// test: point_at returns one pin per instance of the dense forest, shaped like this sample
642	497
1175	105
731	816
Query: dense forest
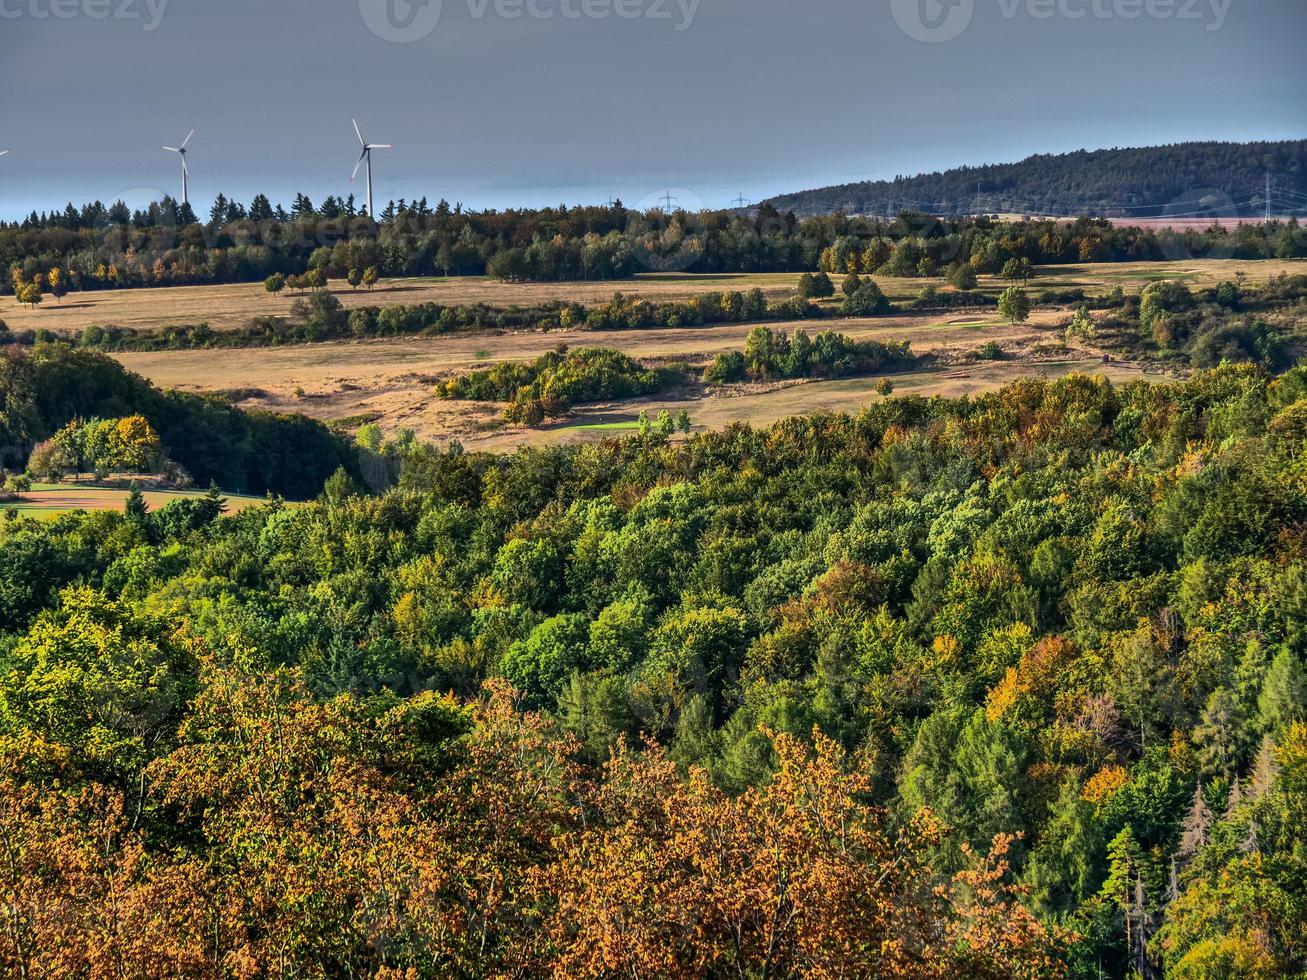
1225	180
1007	686
99	247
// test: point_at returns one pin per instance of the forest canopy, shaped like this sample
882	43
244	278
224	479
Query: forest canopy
1005	686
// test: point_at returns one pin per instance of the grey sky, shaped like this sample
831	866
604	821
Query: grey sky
758	96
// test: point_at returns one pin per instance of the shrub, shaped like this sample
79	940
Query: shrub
867	301
725	369
815	286
1014	304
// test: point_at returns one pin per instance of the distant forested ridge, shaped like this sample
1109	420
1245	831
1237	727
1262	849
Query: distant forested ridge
1179	180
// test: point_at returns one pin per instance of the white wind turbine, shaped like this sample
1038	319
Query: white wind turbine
186	173
367	155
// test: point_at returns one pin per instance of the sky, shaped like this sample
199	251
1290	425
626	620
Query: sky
503	103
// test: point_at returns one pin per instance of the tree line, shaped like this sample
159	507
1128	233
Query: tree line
98	247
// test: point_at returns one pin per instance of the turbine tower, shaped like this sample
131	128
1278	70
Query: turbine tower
181	152
367	155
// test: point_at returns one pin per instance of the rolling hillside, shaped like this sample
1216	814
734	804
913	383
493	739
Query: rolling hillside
1188	179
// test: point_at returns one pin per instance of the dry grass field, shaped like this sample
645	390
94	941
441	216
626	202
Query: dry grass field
229	307
391	382
1132	276
48	500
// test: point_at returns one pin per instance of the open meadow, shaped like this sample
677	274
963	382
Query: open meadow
391	381
228	307
47	500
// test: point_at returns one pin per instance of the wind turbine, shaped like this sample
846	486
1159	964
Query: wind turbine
181	152
367	155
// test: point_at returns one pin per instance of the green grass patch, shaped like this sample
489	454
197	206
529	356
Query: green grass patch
1142	275
605	426
47	500
355	421
965	323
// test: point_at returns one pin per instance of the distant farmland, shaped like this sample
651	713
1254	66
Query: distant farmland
229	306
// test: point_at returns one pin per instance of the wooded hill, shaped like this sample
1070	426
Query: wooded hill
1180	180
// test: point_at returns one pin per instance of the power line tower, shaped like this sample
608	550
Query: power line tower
1268	197
741	202
668	201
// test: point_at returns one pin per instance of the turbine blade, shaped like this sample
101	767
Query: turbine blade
3	152
362	156
381	146
173	149
185	169
362	141
186	140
